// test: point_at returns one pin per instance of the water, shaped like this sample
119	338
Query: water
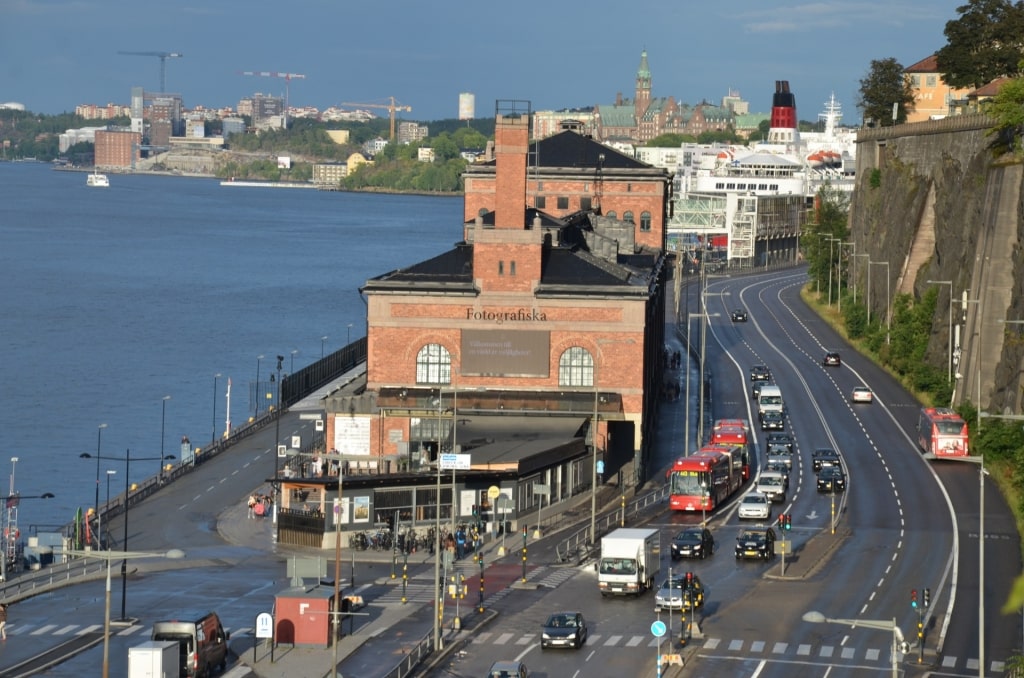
111	299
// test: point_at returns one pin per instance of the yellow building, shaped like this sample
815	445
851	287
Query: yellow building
933	98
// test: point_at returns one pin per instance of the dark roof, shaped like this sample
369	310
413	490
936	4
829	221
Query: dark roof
569	150
928	64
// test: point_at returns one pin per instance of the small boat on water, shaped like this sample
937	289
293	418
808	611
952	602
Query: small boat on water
97	179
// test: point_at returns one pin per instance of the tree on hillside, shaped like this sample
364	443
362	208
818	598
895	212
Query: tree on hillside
670	140
985	43
1007	107
885	85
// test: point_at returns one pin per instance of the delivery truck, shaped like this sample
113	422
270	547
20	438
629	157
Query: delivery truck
630	561
154	659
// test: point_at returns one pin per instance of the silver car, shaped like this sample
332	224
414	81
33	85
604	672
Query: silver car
755	506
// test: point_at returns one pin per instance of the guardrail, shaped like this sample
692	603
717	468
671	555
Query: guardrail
75	570
581	541
410	661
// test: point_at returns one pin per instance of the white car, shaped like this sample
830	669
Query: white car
755	506
862	394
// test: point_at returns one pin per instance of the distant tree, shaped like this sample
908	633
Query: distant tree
1007	107
985	43
670	140
725	136
884	85
467	137
444	147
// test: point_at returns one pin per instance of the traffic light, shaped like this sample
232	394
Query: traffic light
789	521
782	521
913	598
689	579
927	599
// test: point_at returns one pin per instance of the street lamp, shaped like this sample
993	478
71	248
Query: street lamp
949	350
888	301
257	391
109	556
213	428
898	643
831	241
99	514
277	431
163	421
127	463
323	341
438	591
99	436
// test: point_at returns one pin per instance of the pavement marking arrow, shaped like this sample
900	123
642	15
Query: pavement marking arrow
812	515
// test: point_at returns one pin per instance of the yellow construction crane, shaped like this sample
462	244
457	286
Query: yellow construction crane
392	107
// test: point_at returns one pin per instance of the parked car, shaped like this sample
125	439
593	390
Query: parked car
831	479
862	394
693	542
753	543
831	359
754	506
564	629
739	316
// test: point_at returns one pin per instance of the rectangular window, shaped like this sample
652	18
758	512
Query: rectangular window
585	203
929	81
915	80
539	202
512	267
501	268
563	203
540	186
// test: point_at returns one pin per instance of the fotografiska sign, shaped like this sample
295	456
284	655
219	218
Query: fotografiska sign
515	315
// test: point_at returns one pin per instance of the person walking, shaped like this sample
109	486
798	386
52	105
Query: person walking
252	505
3	621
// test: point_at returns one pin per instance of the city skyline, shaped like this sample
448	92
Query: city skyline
59	54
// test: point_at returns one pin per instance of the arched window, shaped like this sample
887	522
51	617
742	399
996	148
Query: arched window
611	214
482	211
627	216
433	365
645	221
576	367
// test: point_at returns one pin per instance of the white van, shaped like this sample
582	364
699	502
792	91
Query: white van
770	400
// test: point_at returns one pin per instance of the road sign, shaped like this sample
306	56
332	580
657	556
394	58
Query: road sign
455	462
493	491
504	504
658	628
600	467
282	451
541	489
310	415
264	625
297	442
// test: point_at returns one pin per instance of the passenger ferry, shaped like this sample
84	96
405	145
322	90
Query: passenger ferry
97	179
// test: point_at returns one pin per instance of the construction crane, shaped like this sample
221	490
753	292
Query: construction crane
163	56
288	77
392	107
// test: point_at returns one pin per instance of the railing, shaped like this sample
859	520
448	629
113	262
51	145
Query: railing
580	542
410	661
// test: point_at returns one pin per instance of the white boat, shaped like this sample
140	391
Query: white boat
97	179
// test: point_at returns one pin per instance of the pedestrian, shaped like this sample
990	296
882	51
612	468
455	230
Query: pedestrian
460	543
252	505
3	621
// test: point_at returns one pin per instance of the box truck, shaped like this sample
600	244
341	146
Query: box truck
154	659
630	561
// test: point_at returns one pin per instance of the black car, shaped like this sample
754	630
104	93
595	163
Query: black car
822	457
755	390
760	373
693	542
739	316
772	421
831	359
831	479
782	442
756	543
564	629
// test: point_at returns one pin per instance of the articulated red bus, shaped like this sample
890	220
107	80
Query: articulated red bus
737	436
942	433
704	480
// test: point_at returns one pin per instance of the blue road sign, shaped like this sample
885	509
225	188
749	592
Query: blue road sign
658	629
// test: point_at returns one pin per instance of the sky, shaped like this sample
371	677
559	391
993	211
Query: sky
57	54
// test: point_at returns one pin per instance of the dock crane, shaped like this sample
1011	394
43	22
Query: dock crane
163	56
392	107
288	77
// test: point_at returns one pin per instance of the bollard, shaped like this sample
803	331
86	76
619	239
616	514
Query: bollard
480	607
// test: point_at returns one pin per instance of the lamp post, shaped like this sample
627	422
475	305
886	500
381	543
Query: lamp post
163	421
109	556
277	432
831	241
949	331
213	428
877	624
438	592
127	463
11	501
839	273
323	342
888	300
257	392
291	370
99	437
99	514
593	482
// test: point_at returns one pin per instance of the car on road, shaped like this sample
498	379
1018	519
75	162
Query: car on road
754	506
772	421
780	442
760	373
564	629
831	359
680	592
772	486
862	394
693	542
824	456
739	316
778	467
831	479
755	389
757	543
508	669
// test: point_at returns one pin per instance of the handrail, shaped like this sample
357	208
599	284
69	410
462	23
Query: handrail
581	539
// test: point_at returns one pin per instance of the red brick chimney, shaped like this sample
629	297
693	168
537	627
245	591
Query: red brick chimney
511	147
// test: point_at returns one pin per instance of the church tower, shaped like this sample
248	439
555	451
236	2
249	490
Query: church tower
643	88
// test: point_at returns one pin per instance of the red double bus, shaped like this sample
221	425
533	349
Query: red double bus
702	481
734	434
942	433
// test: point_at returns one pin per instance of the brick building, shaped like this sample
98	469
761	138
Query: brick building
117	148
537	319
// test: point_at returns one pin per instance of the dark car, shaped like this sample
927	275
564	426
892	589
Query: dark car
772	421
693	542
778	467
824	456
739	316
760	373
564	629
755	390
831	479
831	359
782	442
756	543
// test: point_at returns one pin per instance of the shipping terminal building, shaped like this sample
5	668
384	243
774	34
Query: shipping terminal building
535	339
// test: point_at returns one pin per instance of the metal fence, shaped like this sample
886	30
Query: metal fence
579	544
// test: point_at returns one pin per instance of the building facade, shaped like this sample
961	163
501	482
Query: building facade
117	149
933	98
